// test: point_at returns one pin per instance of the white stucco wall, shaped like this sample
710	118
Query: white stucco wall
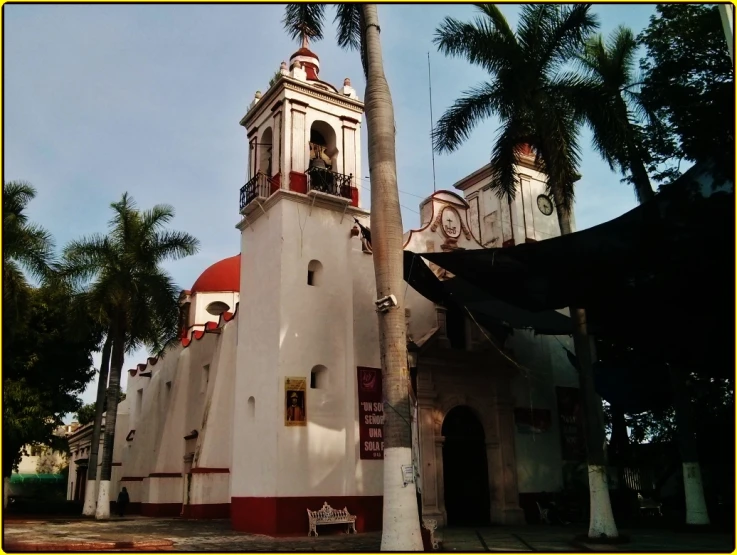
299	327
199	316
490	215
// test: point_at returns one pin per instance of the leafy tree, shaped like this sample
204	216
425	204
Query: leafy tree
86	414
358	29
120	275
609	99
688	82
27	248
46	367
531	95
49	462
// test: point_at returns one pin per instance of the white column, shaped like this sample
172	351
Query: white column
286	143
276	151
299	137
726	11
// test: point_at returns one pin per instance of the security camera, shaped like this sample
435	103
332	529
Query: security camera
386	303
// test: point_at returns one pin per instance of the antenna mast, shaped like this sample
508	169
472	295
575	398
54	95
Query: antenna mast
432	150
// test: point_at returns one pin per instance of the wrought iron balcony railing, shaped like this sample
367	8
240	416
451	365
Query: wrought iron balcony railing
330	182
259	186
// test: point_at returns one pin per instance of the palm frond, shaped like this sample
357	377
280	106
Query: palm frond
349	18
84	258
172	245
304	19
456	123
480	42
565	32
505	157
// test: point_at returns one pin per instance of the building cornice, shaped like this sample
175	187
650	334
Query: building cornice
254	211
525	161
290	84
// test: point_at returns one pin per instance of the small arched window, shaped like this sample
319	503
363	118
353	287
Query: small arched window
251	407
319	377
314	273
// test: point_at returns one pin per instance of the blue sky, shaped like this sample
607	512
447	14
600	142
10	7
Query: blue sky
103	99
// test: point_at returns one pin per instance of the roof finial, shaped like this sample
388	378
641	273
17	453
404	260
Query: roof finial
305	38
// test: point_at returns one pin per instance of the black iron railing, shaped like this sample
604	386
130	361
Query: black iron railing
332	183
259	186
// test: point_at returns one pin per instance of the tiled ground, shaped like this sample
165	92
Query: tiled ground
216	535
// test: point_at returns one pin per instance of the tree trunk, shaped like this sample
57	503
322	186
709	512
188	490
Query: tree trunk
696	513
401	523
111	415
90	493
643	188
601	521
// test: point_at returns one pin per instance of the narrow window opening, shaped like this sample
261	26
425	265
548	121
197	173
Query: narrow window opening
205	377
314	273
319	377
251	407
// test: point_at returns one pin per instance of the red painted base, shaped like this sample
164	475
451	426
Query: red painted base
298	183
161	509
208	511
288	515
131	509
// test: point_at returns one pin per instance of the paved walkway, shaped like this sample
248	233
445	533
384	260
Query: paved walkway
561	539
139	533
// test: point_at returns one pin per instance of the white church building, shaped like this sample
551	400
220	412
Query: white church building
267	405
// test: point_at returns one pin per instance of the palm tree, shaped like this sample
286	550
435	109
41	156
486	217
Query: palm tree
121	277
607	97
358	28
145	332
609	101
26	247
529	93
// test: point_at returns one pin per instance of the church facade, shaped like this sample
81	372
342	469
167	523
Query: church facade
271	402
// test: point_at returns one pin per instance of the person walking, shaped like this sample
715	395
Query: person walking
123	500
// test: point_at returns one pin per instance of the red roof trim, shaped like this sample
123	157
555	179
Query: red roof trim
210	326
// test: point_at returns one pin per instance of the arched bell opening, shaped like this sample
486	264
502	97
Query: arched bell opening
265	157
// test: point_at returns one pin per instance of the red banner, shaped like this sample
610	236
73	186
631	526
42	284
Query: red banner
370	413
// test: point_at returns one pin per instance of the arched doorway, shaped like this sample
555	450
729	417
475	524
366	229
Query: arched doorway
465	474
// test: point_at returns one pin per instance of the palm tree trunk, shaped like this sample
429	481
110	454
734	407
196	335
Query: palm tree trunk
401	523
90	495
643	188
103	498
601	520
696	512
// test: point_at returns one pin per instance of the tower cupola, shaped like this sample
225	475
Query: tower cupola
307	59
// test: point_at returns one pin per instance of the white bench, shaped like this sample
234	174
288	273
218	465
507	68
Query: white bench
328	515
649	505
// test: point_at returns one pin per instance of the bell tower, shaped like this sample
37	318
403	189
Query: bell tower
303	134
295	388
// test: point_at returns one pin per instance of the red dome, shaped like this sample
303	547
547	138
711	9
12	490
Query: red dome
304	52
221	276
